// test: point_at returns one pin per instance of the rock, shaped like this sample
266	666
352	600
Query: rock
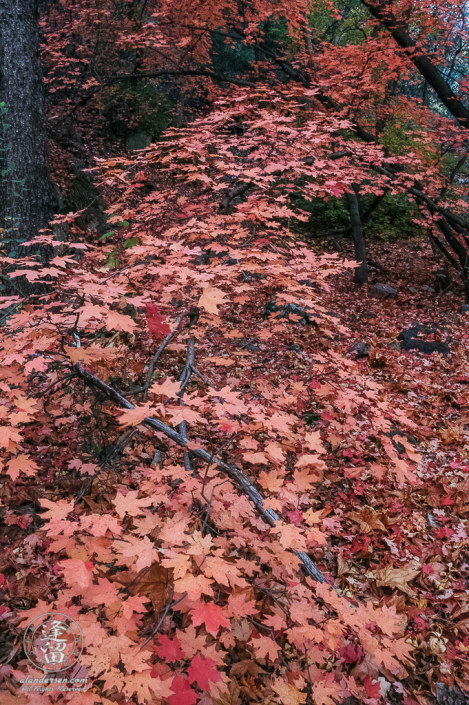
138	140
248	277
360	349
251	345
410	341
209	257
447	695
284	311
395	433
384	291
414	330
465	309
424	346
308	282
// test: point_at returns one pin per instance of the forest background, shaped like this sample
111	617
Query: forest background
233	364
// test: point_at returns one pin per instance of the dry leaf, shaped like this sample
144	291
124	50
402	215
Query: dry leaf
369	520
396	578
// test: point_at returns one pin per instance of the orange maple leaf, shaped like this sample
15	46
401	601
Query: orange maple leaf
132	417
21	463
211	298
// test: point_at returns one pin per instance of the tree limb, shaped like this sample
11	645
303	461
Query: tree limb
382	11
233	472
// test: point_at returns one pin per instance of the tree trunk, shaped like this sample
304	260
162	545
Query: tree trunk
361	272
382	10
25	189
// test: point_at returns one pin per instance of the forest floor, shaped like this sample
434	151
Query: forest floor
426	524
395	540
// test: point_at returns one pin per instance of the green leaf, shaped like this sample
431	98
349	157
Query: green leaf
130	242
106	235
123	224
112	260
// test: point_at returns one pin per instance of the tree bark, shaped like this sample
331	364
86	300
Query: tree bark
361	272
25	189
382	11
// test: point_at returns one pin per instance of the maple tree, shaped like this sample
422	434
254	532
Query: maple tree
195	470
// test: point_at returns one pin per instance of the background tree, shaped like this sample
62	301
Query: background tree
25	190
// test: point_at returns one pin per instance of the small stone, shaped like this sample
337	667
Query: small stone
449	695
308	282
251	345
414	330
360	349
442	280
395	433
424	346
465	309
384	291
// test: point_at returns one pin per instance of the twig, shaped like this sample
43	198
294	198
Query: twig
233	472
124	269
57	381
162	618
154	360
120	445
202	377
376	265
184	379
209	507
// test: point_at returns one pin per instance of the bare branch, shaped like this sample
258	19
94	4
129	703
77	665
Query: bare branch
233	472
154	360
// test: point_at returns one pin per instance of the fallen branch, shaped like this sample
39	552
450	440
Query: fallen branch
233	472
162	618
154	360
235	192
376	265
184	379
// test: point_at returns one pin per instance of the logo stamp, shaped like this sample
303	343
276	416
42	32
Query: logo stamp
53	642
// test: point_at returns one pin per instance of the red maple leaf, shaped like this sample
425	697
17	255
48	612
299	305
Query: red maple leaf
169	649
211	615
352	653
202	671
183	693
156	323
371	689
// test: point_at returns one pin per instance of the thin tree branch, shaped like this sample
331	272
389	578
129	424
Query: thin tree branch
154	360
231	470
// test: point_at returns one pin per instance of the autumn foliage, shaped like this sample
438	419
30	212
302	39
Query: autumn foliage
230	505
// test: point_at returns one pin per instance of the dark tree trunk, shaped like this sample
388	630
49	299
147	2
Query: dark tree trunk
361	272
382	10
25	190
